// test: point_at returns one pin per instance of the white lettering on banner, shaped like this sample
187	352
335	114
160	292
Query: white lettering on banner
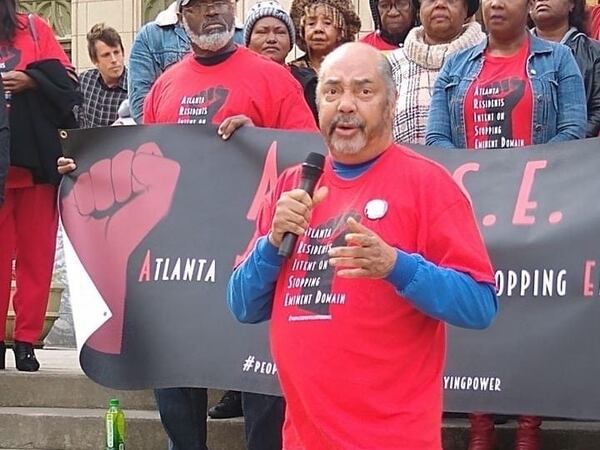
251	364
177	269
466	383
532	283
166	272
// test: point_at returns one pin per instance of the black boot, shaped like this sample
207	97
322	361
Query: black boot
25	357
2	355
229	406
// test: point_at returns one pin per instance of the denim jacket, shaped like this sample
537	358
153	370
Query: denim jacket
154	49
559	102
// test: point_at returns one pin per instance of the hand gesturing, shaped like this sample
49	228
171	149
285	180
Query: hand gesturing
365	256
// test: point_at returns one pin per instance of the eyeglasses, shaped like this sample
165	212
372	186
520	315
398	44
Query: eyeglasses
202	7
400	5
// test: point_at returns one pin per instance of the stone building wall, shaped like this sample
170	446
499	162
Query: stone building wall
126	16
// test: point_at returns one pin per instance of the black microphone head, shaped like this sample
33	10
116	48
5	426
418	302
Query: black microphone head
312	167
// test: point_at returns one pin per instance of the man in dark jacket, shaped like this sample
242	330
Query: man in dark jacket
564	21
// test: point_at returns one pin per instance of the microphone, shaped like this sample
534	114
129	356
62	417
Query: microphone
312	169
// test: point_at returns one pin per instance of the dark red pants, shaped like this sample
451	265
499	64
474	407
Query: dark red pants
28	225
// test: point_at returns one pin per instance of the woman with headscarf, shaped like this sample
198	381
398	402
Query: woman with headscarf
269	30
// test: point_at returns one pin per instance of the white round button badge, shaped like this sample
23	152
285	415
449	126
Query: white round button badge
376	209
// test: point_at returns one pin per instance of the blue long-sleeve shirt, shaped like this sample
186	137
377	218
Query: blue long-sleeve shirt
443	293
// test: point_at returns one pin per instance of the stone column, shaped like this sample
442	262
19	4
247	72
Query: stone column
123	15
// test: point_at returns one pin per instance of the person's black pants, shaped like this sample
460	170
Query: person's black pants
183	416
263	416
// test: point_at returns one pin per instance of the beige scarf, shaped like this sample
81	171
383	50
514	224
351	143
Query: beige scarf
432	57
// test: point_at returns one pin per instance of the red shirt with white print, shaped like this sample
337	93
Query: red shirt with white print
245	83
499	103
360	366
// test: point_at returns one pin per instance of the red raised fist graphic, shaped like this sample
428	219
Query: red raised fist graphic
109	211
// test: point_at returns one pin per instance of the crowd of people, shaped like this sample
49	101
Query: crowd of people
470	74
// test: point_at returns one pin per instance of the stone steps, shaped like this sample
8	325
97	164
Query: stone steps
50	389
59	408
83	429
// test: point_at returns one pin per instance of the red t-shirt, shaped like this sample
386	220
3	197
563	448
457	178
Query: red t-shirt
594	22
359	365
375	40
499	103
245	83
17	55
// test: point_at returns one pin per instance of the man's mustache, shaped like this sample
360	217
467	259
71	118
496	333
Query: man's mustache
345	120
215	22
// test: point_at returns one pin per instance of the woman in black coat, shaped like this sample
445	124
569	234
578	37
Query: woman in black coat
564	21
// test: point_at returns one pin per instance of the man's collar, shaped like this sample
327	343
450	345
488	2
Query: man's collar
168	16
216	58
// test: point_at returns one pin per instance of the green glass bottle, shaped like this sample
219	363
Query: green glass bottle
115	426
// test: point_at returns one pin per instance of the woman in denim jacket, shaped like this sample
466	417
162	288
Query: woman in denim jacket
559	102
512	90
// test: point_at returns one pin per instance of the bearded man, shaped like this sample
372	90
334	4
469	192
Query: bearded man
223	84
397	268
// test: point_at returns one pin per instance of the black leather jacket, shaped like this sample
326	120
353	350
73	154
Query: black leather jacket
587	55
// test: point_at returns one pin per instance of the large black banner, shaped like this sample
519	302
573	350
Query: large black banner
156	217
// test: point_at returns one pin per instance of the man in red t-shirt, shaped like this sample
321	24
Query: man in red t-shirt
393	19
219	83
222	83
220	80
361	304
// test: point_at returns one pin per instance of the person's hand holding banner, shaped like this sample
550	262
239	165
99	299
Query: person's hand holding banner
116	204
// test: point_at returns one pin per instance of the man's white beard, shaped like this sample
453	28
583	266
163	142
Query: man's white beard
348	146
210	42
